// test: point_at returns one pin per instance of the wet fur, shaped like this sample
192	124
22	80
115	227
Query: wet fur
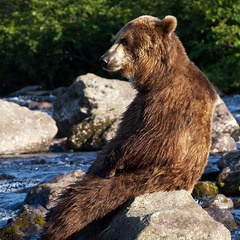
163	141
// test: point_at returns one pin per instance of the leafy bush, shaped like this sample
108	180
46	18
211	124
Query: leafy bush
51	42
224	68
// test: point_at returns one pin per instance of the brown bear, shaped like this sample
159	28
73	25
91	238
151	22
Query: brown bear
163	141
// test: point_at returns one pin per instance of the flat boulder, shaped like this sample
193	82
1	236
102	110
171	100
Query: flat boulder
23	130
164	215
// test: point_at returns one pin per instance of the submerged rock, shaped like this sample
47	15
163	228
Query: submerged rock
23	130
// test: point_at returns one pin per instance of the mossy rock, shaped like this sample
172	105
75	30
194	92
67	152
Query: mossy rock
205	189
39	220
10	233
15	228
87	135
26	224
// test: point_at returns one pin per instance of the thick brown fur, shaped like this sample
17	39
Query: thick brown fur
163	141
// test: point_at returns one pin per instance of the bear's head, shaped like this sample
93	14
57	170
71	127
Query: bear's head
144	47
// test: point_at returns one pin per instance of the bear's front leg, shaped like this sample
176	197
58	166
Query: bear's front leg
107	163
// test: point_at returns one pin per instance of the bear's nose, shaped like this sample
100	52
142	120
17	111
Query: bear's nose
103	62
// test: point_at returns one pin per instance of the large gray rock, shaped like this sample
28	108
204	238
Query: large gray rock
222	142
23	130
223	120
223	127
91	96
167	215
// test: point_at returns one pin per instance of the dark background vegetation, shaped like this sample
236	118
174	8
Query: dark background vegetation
51	42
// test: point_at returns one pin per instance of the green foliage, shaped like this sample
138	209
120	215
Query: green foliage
224	17
51	42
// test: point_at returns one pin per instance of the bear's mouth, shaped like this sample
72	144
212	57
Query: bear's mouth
112	69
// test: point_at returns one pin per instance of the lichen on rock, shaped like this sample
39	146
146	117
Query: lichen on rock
87	135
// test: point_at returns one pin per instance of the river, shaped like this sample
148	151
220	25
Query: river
19	173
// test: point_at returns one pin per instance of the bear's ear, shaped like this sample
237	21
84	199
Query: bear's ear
168	24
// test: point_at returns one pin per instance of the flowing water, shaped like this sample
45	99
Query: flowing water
19	173
233	104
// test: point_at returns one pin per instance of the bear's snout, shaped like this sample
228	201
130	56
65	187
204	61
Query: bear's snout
112	60
109	63
103	62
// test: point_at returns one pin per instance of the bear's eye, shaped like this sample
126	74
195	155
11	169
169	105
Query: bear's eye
124	41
